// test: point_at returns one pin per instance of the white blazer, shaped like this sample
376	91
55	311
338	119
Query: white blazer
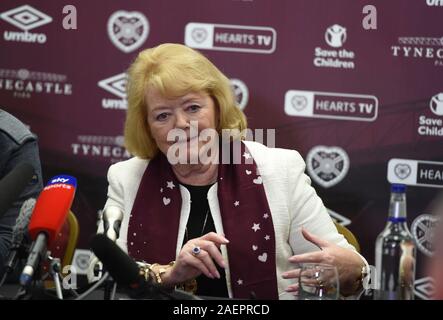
292	200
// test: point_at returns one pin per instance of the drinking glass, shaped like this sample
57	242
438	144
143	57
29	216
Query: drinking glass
318	281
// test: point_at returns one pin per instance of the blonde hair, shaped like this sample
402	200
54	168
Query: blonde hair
174	70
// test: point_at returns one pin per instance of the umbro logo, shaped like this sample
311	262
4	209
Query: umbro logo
117	86
25	18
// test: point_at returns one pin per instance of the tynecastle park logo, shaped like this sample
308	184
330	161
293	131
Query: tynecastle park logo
24	83
25	18
419	48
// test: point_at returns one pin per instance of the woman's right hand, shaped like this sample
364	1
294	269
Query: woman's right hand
190	265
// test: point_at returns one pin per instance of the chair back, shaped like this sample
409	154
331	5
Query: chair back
349	236
63	246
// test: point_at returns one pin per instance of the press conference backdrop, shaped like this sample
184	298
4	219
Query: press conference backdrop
356	89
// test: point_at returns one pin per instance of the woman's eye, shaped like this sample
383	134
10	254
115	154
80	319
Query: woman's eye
194	108
162	116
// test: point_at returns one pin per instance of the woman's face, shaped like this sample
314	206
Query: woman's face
195	109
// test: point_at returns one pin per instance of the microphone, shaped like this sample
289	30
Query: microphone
50	212
120	266
112	219
125	271
13	184
18	233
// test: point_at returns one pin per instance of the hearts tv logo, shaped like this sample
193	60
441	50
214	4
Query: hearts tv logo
128	30
327	166
299	102
199	35
402	170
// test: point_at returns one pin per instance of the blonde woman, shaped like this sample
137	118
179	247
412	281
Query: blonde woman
239	228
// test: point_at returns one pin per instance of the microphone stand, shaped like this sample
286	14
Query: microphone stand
17	253
54	271
109	286
36	289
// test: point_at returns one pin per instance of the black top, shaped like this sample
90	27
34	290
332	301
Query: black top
195	228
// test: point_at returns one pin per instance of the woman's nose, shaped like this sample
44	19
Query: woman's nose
181	120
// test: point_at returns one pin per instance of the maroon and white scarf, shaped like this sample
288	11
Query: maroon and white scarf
246	218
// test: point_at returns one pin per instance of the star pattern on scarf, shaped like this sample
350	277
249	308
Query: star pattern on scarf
170	184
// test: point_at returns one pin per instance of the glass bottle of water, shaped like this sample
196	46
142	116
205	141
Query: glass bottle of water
395	252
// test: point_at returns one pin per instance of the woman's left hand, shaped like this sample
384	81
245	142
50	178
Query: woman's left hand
348	263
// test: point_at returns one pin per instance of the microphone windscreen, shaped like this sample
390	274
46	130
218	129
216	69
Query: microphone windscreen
13	184
120	266
52	207
22	221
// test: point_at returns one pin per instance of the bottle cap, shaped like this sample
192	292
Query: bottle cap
398	188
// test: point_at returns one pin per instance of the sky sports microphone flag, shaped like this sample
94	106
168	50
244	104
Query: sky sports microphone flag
50	212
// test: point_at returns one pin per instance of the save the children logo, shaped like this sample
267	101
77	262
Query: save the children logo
128	30
436	104
335	36
335	56
428	124
25	18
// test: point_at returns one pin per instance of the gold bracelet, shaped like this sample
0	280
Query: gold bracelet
163	270
188	286
156	274
157	277
145	271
